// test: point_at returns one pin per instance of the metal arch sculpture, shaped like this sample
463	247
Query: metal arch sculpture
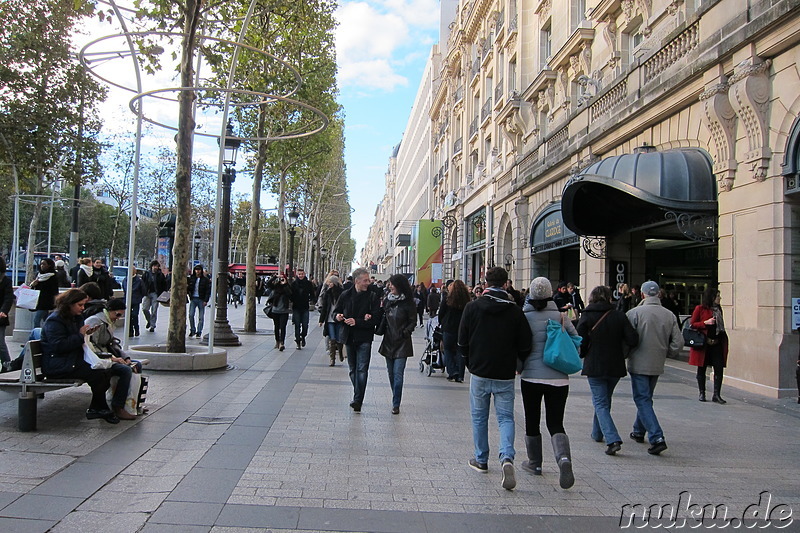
136	105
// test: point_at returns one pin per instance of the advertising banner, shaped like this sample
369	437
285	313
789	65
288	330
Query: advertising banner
429	252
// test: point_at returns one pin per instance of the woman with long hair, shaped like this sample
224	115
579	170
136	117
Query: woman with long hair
280	298
47	285
540	381
331	329
625	301
707	318
605	331
62	353
458	296
397	325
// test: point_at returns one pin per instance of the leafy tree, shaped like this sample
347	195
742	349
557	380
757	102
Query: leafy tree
48	120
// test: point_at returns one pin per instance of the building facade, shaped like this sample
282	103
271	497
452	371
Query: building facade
606	141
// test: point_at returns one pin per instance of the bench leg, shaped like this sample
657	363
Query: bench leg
26	416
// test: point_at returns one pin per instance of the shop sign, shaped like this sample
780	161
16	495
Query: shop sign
550	233
619	274
795	313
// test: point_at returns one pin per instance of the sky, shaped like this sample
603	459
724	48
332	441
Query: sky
382	47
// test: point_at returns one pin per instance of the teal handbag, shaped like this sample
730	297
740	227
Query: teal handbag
561	349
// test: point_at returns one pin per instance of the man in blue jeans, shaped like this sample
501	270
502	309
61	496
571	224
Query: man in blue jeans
359	310
659	336
199	291
492	336
302	296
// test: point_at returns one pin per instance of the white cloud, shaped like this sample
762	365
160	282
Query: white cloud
371	38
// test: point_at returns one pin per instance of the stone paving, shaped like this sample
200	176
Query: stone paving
270	444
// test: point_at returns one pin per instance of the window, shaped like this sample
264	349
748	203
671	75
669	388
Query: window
632	39
577	13
545	44
512	75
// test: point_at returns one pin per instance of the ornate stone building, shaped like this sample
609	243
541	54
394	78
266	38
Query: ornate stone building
600	141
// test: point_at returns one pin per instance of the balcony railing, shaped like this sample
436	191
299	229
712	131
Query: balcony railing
512	26
476	66
498	91
446	165
459	93
458	145
486	109
501	18
487	47
473	127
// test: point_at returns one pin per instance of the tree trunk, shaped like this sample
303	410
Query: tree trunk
253	238
176	335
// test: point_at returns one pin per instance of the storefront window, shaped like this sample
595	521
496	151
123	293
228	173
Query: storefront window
476	229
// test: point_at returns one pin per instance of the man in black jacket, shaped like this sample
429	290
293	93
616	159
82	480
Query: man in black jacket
493	334
198	288
359	309
153	284
302	295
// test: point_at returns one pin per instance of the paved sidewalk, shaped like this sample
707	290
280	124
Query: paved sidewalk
271	444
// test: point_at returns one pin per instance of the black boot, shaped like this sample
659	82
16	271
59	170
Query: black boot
716	398
701	384
534	463
563	459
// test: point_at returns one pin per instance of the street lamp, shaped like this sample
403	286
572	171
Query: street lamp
293	217
197	246
509	261
223	334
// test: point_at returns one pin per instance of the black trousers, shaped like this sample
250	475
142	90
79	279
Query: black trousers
98	381
555	402
715	359
280	320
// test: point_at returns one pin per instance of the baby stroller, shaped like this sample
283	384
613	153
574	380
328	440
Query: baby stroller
236	295
432	357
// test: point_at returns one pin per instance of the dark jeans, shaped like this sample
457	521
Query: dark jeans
98	381
396	368
133	317
453	362
300	321
123	372
555	402
358	358
280	320
421	314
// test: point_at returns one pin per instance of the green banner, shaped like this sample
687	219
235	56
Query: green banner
429	252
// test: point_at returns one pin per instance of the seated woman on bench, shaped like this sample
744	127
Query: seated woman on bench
62	356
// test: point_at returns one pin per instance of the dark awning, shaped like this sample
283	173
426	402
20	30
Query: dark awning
626	192
548	231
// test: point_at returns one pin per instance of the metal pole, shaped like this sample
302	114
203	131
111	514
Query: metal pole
291	250
223	335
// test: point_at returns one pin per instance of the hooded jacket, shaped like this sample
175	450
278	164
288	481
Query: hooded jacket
493	334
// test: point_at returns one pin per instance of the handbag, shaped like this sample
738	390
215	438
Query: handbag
27	298
92	358
691	337
268	310
561	348
163	298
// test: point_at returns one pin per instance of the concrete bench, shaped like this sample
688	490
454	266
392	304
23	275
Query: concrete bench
31	383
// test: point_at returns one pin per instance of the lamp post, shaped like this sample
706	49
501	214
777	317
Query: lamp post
293	217
196	247
323	253
223	334
509	262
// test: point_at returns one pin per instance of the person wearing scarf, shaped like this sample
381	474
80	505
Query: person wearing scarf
85	272
397	325
47	285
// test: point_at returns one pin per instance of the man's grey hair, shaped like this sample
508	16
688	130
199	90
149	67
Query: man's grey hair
357	273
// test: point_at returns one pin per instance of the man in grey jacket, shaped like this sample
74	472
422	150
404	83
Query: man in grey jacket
659	336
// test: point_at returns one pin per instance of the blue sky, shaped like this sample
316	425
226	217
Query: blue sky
382	47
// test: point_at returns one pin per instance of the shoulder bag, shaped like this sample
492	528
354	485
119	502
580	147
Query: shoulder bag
561	348
691	337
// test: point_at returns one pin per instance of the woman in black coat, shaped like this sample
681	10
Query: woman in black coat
47	285
330	328
606	333
62	352
458	296
280	297
397	325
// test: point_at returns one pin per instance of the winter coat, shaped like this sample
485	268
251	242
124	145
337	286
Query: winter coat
493	334
534	368
398	323
103	340
106	282
204	289
697	356
328	301
603	350
449	318
6	299
659	336
48	290
137	292
62	345
302	293
62	277
357	305
434	302
280	297
154	283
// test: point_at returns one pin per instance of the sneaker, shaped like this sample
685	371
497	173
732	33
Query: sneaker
192	334
478	467
509	480
356	406
613	448
152	330
657	448
638	437
298	344
395	410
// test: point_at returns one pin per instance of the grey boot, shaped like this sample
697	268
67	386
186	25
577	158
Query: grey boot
332	351
563	459
534	463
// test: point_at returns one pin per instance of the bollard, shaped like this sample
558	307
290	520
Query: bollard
26	416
